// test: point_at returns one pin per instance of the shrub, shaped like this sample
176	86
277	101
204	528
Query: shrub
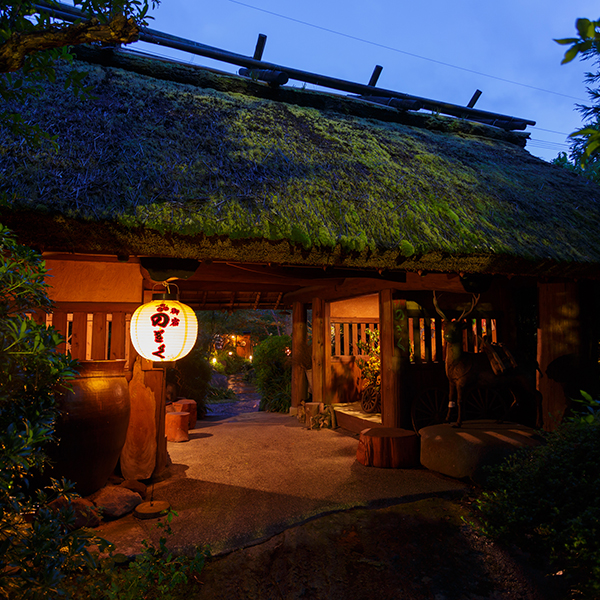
155	574
547	499
228	364
35	556
273	373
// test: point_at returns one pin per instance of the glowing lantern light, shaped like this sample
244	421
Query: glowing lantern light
164	330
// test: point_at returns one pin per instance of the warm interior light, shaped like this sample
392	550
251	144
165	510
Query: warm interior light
164	330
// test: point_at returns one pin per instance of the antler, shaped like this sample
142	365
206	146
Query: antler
467	312
437	308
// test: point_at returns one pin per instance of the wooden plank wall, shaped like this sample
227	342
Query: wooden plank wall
98	335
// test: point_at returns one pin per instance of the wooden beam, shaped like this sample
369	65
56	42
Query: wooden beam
359	286
96	307
299	339
78	339
318	348
393	339
99	336
559	335
278	300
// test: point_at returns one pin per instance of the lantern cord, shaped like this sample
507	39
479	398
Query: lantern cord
167	285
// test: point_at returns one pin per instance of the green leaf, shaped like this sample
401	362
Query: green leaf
570	54
585	28
565	41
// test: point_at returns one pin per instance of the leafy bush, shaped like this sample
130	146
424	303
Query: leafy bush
155	574
273	369
218	394
35	552
547	499
586	409
229	364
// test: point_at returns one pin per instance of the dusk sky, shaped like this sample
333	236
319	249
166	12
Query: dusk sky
439	49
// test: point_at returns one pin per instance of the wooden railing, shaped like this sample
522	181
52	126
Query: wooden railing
92	334
346	333
425	336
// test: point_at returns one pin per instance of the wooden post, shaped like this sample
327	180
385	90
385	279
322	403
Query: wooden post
299	331
559	335
393	340
319	345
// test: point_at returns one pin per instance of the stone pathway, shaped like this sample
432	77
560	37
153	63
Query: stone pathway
248	399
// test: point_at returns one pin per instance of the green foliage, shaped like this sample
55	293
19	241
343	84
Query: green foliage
229	362
547	500
36	555
215	326
215	395
587	409
273	368
586	145
155	574
370	367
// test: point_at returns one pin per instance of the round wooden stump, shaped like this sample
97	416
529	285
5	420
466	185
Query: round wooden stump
388	447
187	405
176	426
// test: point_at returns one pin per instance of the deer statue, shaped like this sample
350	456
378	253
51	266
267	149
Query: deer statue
469	370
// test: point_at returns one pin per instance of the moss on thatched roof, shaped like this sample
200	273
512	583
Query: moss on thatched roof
236	170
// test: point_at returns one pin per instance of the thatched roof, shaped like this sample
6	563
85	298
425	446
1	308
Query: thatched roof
174	160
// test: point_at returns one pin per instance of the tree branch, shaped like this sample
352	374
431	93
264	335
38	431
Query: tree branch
15	50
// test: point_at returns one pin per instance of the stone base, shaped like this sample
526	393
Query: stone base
463	452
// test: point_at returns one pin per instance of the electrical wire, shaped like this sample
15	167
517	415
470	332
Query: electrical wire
391	48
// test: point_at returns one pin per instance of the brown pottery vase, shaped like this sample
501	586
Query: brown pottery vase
92	425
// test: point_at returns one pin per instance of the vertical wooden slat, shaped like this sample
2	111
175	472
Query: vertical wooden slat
327	370
417	340
439	340
411	339
318	348
559	335
390	362
435	349
299	338
355	327
78	340
117	336
59	322
346	349
494	330
337	349
99	337
426	340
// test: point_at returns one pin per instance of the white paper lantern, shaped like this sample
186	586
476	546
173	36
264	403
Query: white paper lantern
163	330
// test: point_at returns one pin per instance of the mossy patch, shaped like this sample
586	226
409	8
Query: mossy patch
186	160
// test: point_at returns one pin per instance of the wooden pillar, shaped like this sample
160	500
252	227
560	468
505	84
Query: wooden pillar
559	335
299	340
393	340
319	346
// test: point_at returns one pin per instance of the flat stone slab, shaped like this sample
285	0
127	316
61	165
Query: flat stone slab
463	452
